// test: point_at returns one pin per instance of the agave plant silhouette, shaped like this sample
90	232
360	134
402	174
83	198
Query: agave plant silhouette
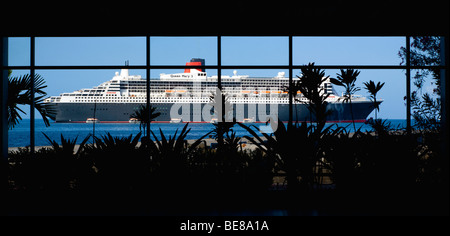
347	79
109	143
19	93
171	157
282	149
373	89
67	145
174	146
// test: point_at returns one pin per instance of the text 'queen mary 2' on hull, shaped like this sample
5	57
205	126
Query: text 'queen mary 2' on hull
186	97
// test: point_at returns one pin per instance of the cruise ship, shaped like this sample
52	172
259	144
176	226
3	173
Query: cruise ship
189	97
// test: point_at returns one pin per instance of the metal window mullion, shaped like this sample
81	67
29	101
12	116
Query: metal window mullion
408	85
147	71
32	95
3	98
219	77
219	62
143	67
290	81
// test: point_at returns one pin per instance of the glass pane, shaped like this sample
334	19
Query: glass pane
425	51
90	51
347	50
88	101
392	96
19	51
392	93
256	96
180	50
425	94
180	96
255	50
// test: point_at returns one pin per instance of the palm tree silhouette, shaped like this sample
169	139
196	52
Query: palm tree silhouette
145	116
347	79
373	89
19	93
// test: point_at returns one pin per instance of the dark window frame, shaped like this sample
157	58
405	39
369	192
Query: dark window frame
219	67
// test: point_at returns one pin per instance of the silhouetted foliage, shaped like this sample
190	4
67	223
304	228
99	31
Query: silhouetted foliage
427	112
281	149
373	89
19	93
145	116
376	170
347	79
425	51
309	84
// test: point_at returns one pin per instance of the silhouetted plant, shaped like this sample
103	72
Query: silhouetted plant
259	172
431	160
19	93
425	51
389	166
283	150
67	147
223	110
232	142
107	142
381	127
309	84
294	90
71	160
174	146
343	151
171	155
373	89
118	162
426	112
145	116
347	79
221	133
47	170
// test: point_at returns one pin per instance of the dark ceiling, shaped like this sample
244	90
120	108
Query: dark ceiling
325	18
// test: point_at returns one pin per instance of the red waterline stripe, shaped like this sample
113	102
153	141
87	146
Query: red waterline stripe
202	122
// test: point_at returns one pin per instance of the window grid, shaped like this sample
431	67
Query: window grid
32	67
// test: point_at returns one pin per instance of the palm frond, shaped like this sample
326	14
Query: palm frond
19	93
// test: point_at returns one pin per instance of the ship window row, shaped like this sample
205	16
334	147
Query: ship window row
93	90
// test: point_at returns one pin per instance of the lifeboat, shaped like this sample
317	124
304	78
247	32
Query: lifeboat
92	120
134	121
175	120
248	120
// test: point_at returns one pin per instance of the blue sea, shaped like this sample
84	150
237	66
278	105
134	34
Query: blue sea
19	136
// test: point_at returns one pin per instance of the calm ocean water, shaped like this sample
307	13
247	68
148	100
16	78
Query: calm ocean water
20	135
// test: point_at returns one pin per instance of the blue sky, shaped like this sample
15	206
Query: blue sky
235	51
